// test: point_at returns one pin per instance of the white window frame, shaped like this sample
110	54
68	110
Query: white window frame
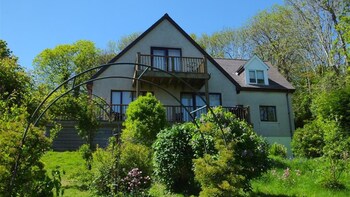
256	77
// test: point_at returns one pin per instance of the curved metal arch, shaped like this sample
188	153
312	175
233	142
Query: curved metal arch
131	64
113	77
74	86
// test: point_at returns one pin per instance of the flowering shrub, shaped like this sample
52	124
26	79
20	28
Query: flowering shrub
135	183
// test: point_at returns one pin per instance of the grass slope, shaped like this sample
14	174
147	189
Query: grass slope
72	164
302	178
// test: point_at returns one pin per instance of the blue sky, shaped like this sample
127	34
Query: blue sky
32	26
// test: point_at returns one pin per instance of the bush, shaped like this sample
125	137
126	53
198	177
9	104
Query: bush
145	117
86	154
135	156
172	158
105	171
278	150
218	175
309	141
31	178
336	154
237	144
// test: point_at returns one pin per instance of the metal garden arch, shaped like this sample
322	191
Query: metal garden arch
34	122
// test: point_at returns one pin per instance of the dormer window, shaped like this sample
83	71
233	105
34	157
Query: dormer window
256	77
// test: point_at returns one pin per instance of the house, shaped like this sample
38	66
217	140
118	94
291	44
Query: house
252	89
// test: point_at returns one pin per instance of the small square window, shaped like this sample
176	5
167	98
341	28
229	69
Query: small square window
256	77
268	113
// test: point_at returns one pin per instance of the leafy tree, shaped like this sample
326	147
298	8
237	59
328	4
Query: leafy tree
14	81
54	66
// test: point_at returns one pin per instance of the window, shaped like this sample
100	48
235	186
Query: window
256	77
268	113
193	101
120	101
168	59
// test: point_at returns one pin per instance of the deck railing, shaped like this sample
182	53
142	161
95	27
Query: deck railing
174	114
172	63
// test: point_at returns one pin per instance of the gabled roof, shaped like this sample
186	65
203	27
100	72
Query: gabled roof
194	43
226	66
235	68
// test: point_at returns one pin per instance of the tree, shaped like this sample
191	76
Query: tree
228	43
14	81
54	66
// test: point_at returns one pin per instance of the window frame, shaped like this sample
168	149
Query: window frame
267	111
166	49
256	79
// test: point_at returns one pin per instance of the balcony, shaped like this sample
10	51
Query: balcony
193	70
174	114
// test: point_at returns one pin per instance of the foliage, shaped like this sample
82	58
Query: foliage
135	156
336	153
333	105
218	175
87	122
278	150
172	158
237	143
54	66
159	190
145	118
105	173
31	178
136	183
14	81
86	154
309	141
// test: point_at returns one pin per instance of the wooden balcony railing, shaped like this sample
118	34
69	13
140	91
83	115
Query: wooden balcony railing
174	114
172	63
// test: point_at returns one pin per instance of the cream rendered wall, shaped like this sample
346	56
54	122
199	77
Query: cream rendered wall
281	128
280	131
164	35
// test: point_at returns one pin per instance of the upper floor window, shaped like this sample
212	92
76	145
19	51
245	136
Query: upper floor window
268	113
256	77
168	59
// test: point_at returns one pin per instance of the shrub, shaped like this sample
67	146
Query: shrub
239	144
217	173
309	141
172	158
105	171
278	150
145	117
86	154
31	178
135	156
136	183
336	154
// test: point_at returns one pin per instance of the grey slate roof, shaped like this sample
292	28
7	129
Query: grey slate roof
276	81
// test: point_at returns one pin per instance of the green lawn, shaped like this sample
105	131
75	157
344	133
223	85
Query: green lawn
72	164
302	180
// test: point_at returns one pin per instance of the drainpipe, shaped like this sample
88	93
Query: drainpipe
289	116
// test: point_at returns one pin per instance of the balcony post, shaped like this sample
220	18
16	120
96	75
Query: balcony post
138	68
206	84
